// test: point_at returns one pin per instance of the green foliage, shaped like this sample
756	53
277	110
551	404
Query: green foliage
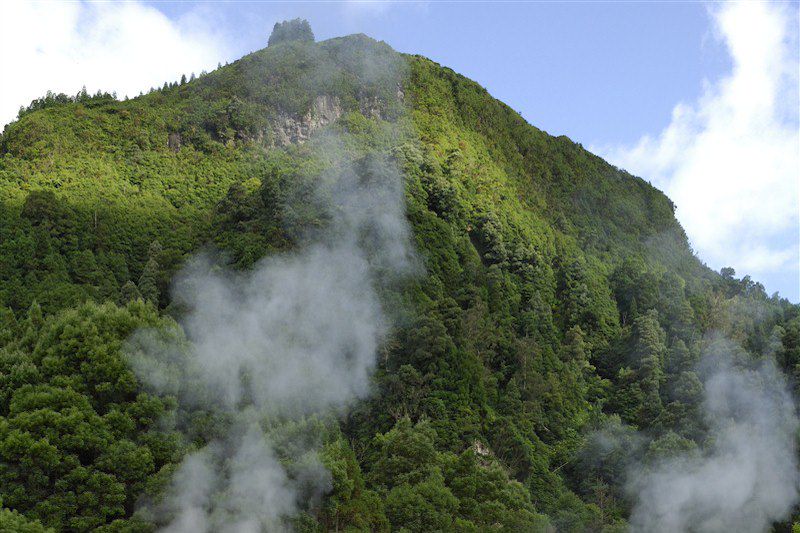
78	438
426	490
559	296
291	30
351	506
13	521
52	100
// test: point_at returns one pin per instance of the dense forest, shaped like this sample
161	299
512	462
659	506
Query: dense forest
548	350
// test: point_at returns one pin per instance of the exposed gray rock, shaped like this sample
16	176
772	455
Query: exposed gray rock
174	141
370	106
291	129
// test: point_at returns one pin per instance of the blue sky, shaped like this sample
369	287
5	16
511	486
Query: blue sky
602	72
699	98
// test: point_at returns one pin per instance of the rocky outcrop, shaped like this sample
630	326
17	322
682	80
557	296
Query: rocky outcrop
174	141
292	129
370	107
483	454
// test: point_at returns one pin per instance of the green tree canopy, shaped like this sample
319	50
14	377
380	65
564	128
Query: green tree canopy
291	30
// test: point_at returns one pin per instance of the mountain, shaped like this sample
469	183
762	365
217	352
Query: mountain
544	350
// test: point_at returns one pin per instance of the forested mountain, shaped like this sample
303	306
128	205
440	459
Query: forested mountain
530	346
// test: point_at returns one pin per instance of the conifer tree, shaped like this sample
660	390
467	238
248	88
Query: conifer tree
148	282
128	293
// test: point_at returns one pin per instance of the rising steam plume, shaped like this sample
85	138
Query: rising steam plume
295	336
748	476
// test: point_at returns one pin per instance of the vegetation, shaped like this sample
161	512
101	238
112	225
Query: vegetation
560	295
291	30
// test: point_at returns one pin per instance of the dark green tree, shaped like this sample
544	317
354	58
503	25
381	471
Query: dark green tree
128	293
291	30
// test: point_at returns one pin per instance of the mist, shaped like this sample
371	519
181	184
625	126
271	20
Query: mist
747	476
295	336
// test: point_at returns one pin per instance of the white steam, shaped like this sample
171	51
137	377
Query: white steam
296	335
747	479
250	492
299	332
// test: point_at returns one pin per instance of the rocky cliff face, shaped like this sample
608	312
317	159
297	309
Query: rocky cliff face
325	109
290	129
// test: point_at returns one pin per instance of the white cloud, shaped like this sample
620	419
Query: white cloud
731	160
123	47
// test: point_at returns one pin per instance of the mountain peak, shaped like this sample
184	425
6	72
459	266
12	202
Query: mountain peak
558	296
291	30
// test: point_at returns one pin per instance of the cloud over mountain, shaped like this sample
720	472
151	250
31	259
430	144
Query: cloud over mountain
730	160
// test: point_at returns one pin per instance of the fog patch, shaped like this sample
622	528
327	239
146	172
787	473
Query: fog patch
294	337
747	476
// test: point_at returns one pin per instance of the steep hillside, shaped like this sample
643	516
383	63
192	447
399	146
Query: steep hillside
556	296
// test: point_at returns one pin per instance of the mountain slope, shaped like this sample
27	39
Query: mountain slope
559	295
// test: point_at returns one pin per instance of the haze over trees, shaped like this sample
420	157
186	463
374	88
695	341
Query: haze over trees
552	343
291	30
